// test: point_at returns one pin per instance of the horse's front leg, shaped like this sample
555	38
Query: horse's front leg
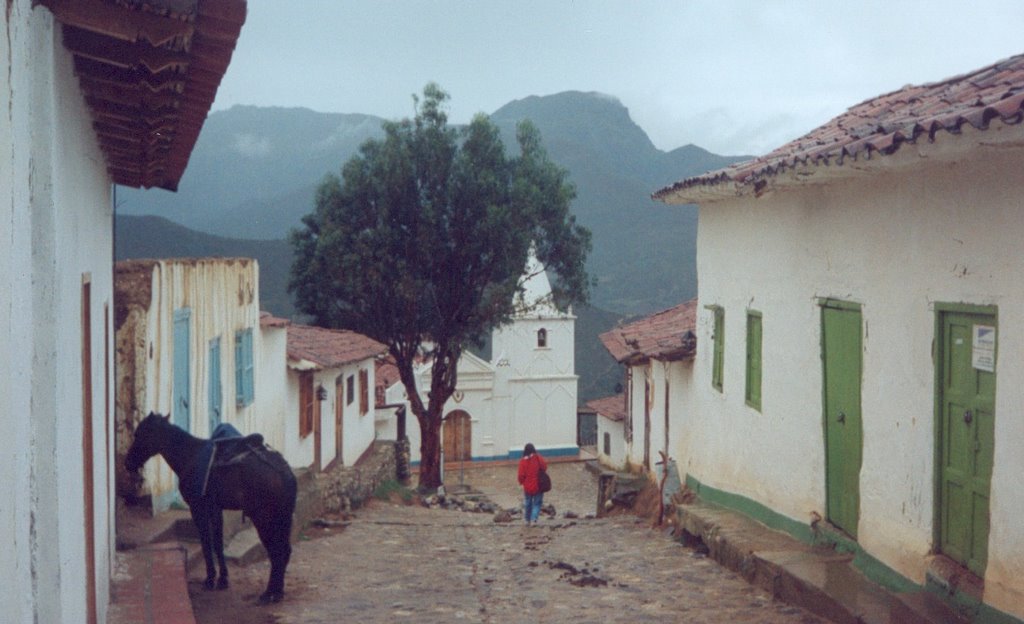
217	531
201	518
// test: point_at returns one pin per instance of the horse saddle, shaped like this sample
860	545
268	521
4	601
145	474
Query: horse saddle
228	446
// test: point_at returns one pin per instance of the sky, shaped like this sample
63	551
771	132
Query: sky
731	76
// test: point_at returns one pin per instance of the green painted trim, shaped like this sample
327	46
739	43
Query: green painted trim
966	308
870	567
839	304
752	509
748	376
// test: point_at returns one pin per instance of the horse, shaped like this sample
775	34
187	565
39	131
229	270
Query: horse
256	480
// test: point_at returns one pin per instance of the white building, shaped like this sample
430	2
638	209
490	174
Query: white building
329	411
611	430
657	353
526	393
74	125
861	336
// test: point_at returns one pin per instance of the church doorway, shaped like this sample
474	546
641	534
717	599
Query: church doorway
458	437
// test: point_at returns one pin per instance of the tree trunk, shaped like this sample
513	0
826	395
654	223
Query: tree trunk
430	447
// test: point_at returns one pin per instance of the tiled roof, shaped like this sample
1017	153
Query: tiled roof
612	408
149	71
269	320
880	126
667	335
330	348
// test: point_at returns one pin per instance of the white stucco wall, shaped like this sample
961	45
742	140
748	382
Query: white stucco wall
271	407
616	456
541	382
358	430
940	229
56	233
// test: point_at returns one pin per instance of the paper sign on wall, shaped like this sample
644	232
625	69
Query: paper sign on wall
983	348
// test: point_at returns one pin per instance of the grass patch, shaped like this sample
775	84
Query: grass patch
394	491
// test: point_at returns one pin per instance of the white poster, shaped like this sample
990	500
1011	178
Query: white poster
983	348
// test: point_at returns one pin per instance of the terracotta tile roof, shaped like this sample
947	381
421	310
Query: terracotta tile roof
880	125
330	348
613	407
666	335
269	320
149	71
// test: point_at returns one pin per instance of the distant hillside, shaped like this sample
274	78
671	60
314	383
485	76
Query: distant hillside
156	237
254	172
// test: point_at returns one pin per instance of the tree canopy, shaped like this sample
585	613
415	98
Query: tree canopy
423	240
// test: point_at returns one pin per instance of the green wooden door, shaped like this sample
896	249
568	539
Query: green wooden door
841	359
967	410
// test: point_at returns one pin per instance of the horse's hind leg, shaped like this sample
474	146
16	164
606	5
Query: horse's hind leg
276	538
217	529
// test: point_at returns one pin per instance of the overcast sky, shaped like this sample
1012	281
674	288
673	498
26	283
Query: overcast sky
734	77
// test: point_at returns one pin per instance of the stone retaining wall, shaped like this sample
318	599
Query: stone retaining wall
348	487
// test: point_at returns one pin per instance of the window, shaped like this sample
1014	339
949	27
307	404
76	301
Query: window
244	391
607	443
542	338
753	393
350	389
718	342
364	391
307	396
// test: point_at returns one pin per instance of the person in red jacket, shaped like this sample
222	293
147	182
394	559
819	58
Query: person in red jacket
529	468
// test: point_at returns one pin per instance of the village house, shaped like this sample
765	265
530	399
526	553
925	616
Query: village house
191	343
657	354
187	343
95	94
330	373
611	430
861	335
525	393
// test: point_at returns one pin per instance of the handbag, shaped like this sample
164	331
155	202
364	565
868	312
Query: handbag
543	481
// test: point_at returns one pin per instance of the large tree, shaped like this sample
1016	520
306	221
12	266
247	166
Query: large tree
422	242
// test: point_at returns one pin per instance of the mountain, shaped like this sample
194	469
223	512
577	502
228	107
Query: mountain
254	173
157	237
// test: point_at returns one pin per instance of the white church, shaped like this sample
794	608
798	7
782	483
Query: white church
526	393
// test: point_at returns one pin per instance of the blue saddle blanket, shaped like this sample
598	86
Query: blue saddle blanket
193	485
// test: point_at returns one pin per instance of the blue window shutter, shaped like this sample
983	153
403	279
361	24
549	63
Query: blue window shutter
215	391
244	368
239	369
181	407
250	388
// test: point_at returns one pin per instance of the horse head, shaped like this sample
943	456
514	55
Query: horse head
146	442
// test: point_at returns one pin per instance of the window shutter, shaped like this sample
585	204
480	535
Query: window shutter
364	391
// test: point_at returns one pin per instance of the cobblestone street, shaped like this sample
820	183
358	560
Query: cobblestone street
397	563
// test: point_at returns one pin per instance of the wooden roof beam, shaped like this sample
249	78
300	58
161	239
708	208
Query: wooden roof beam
115	21
122	54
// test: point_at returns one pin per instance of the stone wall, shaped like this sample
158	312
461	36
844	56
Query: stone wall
345	488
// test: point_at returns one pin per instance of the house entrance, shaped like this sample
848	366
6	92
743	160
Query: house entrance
458	437
842	362
966	385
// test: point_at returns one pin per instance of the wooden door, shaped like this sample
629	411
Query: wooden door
339	429
966	406
458	437
842	362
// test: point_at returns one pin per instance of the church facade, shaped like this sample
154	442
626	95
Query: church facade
527	392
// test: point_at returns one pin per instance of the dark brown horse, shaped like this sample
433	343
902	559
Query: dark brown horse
249	476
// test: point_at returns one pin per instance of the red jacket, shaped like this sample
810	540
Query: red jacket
529	467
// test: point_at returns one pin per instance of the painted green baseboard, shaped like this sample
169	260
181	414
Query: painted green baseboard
871	567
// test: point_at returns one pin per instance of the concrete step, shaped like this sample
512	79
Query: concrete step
819	579
245	548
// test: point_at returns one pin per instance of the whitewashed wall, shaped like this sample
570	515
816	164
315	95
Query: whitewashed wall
272	391
56	227
540	382
616	456
897	242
